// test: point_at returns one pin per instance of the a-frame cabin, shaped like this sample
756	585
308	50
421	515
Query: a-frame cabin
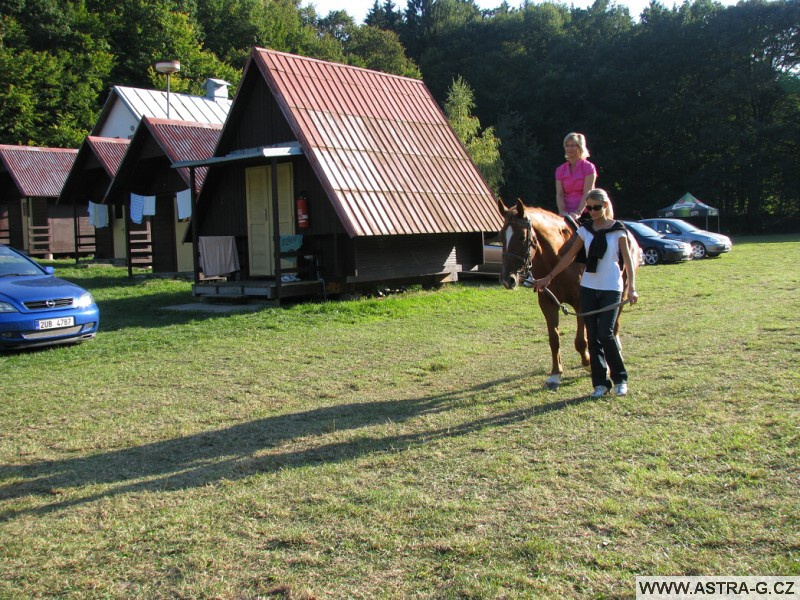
357	167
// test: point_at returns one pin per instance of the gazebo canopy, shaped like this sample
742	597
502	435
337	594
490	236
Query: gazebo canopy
689	206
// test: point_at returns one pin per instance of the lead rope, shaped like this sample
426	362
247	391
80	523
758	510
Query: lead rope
528	282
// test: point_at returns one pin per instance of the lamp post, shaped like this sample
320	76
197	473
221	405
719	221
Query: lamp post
168	67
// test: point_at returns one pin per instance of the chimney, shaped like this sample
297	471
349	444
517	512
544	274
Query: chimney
216	89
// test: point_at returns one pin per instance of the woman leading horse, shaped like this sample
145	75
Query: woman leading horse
602	287
538	243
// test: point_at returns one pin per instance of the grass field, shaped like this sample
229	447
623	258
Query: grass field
405	447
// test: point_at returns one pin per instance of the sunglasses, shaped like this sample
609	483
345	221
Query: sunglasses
595	206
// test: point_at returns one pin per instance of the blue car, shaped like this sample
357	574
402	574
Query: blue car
38	309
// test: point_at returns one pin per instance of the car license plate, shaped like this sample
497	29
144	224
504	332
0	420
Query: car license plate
55	323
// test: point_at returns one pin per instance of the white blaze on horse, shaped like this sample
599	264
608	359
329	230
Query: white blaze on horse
534	239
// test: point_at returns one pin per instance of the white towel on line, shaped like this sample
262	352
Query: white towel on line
149	206
98	215
184	200
218	255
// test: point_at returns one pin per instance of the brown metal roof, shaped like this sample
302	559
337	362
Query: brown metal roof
381	147
109	151
94	168
37	172
185	140
177	141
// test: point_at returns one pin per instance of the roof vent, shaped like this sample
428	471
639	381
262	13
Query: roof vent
216	89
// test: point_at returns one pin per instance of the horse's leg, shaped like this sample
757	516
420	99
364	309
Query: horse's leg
581	345
550	312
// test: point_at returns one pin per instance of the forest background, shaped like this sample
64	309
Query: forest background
698	98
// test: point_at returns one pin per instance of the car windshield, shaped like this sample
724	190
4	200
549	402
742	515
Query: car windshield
686	226
12	264
642	229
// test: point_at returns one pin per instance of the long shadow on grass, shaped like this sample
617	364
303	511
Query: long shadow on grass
260	446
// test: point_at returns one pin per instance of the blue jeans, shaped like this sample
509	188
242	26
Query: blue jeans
604	353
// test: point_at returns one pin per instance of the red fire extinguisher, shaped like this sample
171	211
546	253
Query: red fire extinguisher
302	212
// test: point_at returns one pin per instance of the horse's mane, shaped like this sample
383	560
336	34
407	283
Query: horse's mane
549	226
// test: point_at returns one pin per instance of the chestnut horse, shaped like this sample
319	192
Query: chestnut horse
533	241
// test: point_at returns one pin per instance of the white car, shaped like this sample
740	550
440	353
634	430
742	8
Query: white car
704	243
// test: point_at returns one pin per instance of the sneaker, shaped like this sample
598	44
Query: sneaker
621	389
599	391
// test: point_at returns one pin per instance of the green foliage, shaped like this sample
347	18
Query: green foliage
483	147
379	50
689	99
700	97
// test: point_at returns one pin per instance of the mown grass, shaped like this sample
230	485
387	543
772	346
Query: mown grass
405	446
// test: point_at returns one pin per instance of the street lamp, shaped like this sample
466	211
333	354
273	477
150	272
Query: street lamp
169	67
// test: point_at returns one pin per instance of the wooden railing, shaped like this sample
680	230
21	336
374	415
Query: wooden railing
87	243
141	249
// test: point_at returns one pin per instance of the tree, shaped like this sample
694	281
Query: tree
230	27
49	97
379	50
482	146
338	24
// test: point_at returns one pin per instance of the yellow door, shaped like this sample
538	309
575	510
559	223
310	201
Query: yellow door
259	214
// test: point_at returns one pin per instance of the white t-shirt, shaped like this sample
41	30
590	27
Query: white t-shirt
608	276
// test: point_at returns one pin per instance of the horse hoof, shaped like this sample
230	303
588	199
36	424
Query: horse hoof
553	382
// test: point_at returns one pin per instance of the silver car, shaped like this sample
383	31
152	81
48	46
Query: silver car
704	243
492	258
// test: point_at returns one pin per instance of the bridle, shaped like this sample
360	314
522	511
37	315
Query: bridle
531	246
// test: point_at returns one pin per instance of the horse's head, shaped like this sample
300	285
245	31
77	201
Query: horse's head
519	243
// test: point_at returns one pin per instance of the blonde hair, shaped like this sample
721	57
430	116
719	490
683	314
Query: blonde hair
600	195
580	139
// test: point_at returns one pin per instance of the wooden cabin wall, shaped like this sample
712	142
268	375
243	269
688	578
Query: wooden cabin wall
62	229
397	257
104	243
262	123
162	235
224	203
5	224
11	207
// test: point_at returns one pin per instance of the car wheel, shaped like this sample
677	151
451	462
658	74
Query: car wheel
698	251
652	256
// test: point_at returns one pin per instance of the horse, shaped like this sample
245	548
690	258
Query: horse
534	239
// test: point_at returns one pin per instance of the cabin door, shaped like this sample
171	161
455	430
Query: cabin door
259	215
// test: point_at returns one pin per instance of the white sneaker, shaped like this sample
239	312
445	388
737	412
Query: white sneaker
599	391
621	389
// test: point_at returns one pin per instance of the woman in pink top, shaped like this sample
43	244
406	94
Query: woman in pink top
575	178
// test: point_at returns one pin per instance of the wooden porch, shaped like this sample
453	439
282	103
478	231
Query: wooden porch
264	289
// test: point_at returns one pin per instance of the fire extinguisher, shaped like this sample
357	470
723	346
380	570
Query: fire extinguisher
302	212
